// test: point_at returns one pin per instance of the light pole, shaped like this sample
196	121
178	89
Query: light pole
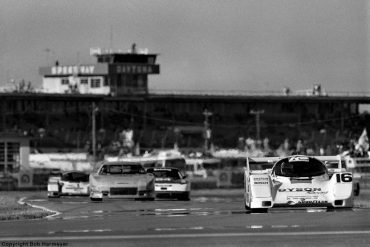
258	125
207	131
93	130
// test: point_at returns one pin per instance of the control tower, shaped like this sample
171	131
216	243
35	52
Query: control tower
115	73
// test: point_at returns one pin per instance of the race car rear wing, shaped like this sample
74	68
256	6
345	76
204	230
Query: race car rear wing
260	164
333	163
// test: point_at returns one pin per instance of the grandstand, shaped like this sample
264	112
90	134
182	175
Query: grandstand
63	121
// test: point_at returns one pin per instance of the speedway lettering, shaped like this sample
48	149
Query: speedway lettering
300	190
65	70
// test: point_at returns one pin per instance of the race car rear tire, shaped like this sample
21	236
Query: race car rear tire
145	199
356	191
259	210
54	196
96	199
184	197
256	210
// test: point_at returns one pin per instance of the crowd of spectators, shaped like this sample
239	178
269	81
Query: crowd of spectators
257	148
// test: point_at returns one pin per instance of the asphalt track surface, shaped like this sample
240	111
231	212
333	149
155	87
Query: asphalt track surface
207	220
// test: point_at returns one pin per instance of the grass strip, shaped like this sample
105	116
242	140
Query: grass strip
11	209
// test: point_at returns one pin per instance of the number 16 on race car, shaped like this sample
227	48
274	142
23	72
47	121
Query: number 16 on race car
344	177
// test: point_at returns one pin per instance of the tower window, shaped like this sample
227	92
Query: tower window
106	82
65	81
84	81
95	83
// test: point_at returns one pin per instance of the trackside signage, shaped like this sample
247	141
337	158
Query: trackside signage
136	69
66	70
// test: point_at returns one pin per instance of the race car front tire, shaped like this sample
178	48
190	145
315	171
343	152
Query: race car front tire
96	199
53	195
255	210
184	197
356	191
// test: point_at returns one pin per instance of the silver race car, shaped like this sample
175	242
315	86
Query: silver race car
295	181
171	183
121	179
69	183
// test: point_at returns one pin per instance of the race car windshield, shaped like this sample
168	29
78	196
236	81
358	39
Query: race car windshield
75	177
288	168
122	169
166	174
176	163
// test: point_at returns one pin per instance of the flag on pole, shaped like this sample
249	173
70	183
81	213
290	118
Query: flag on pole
363	141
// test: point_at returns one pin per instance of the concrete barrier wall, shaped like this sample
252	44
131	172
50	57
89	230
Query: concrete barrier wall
62	161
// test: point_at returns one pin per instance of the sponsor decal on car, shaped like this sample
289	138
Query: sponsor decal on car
306	201
260	180
299	159
162	179
318	192
298	198
309	190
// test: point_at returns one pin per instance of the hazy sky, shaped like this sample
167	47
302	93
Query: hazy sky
203	44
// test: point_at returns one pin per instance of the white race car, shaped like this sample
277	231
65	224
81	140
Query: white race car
69	183
171	183
295	181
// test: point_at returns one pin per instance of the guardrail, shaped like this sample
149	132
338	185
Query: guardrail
307	93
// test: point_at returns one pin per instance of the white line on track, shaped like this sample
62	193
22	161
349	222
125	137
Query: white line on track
190	235
74	202
54	213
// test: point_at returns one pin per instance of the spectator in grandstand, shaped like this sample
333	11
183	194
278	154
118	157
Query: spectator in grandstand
316	90
88	148
360	151
267	151
340	148
321	151
253	148
284	149
286	90
300	148
351	149
310	150
241	143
